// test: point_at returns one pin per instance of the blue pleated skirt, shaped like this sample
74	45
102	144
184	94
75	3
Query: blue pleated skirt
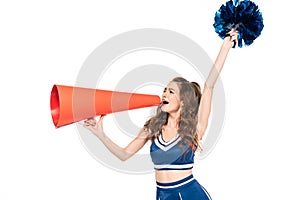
184	189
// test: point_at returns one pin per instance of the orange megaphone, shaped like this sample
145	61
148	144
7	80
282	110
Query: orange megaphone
72	104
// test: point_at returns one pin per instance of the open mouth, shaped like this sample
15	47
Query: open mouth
165	102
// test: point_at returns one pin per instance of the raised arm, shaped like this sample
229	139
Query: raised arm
122	153
206	99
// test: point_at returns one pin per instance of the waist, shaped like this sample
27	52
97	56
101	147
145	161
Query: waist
176	184
167	176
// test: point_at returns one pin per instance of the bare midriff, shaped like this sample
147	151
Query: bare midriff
168	176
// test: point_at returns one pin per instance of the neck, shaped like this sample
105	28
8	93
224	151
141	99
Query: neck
173	120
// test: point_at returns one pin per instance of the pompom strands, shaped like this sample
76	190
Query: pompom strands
242	16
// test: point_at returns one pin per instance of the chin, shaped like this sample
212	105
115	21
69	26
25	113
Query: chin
164	110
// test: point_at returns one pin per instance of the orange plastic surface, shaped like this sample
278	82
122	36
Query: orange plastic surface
72	104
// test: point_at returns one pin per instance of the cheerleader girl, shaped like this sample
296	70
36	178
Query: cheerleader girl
175	132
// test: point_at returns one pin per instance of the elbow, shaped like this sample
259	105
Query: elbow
125	156
123	159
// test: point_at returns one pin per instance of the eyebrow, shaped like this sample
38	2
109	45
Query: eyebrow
169	89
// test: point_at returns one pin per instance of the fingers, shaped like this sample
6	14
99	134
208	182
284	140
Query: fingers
92	125
93	122
235	40
100	121
90	122
232	37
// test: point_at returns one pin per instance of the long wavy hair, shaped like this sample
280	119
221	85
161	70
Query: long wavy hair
190	96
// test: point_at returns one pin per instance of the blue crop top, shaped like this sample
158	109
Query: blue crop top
172	155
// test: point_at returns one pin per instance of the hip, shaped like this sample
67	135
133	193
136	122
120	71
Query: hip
187	188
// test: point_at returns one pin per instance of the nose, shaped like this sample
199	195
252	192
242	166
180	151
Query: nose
164	95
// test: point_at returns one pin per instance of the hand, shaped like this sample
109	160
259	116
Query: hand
231	40
95	127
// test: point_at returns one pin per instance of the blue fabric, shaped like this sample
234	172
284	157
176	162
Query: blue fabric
244	16
174	154
185	189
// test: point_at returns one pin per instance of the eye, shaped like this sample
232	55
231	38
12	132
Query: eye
172	92
165	90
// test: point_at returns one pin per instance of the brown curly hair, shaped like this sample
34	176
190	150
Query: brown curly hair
190	96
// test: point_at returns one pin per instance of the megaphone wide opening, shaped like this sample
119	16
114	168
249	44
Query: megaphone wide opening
54	104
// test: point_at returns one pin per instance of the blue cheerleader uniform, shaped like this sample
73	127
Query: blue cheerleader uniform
176	155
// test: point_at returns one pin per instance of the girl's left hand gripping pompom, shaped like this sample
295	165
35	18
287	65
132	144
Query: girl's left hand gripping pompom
242	16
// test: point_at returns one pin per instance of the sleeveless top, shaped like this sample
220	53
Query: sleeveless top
172	155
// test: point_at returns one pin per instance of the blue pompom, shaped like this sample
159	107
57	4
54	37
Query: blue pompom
243	16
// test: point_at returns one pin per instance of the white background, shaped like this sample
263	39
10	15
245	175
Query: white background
45	43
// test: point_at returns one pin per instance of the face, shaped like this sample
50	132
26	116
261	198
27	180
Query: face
171	98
